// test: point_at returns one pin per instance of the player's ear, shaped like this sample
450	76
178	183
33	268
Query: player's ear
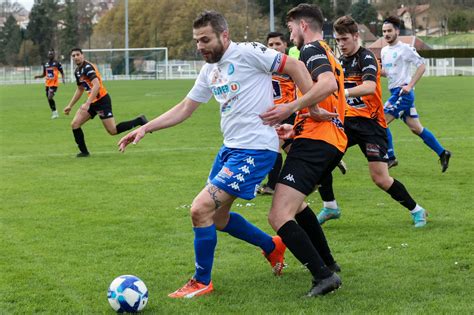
225	35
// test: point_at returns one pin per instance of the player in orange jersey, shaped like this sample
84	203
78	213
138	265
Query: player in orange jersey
284	91
51	70
318	146
365	124
98	103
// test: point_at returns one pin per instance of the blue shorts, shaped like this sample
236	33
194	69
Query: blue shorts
239	172
401	106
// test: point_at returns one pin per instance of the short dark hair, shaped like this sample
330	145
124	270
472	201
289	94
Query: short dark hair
276	34
76	49
310	13
345	25
213	18
395	21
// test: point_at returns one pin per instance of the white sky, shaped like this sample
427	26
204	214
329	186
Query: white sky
26	3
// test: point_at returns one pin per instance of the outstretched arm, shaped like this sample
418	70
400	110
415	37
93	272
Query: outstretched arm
174	116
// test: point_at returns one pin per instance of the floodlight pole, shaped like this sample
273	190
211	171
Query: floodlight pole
272	17
127	72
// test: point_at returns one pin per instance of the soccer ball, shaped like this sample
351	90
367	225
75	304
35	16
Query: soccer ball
127	294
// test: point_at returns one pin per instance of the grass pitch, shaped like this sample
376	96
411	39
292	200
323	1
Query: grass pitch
69	226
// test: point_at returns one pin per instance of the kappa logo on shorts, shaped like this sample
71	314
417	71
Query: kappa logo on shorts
250	160
289	178
245	169
240	177
234	186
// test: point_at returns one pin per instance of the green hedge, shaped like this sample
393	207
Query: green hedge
448	53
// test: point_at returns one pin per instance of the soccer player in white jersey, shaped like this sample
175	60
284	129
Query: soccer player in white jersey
396	60
239	75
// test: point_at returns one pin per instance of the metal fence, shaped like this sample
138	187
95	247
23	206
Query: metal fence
186	69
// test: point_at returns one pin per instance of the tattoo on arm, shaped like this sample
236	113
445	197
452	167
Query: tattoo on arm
213	190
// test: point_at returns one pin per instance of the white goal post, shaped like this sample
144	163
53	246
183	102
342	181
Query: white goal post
144	63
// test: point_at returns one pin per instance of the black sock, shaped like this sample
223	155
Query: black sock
325	190
130	124
308	221
400	194
79	137
275	172
300	245
52	104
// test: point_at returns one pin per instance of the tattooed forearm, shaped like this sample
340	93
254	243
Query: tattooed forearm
213	190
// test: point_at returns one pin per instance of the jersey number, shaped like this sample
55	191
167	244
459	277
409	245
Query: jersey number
50	73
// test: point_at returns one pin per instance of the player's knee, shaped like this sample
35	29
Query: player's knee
112	132
275	220
381	181
75	124
200	211
416	129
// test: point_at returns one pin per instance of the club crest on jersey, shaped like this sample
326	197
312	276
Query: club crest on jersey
234	86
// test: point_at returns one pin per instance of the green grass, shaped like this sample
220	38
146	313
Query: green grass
69	226
462	39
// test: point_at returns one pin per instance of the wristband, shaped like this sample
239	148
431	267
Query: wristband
346	92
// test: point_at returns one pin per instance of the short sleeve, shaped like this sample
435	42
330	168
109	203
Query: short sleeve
369	66
265	59
412	56
60	67
89	71
316	60
201	92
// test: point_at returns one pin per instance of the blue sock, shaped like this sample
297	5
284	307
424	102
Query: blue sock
430	140
242	229
390	151
205	240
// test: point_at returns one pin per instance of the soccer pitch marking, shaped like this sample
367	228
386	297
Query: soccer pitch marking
129	151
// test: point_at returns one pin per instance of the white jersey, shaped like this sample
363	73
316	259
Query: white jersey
396	61
241	82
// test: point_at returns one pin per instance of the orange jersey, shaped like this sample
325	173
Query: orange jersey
51	71
284	89
319	58
87	72
360	67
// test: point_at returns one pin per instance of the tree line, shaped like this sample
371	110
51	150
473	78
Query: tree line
167	23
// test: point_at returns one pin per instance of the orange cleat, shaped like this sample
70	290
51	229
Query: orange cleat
277	257
191	289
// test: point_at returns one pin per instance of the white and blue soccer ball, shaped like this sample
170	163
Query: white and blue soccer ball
127	294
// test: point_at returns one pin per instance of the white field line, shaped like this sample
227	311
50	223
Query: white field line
129	151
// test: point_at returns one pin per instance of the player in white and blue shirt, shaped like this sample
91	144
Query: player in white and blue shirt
397	58
239	76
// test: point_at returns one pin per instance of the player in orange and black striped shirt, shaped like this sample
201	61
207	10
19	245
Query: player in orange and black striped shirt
318	146
98	103
51	70
365	122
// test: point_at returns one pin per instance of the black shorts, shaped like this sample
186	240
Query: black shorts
102	107
307	163
369	135
51	90
290	120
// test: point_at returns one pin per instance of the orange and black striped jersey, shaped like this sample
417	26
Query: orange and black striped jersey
319	58
51	71
87	72
360	67
284	89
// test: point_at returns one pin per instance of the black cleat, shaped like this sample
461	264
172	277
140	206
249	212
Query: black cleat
334	267
322	287
83	154
444	160
392	163
342	167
